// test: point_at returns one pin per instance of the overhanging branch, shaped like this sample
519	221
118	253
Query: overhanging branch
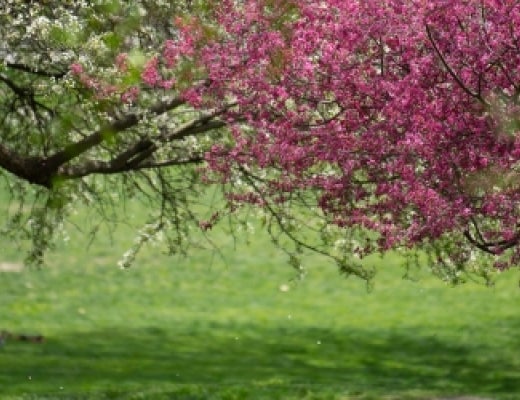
35	71
139	155
107	168
14	163
76	149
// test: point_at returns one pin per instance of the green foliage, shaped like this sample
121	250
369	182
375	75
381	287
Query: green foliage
64	36
80	101
45	109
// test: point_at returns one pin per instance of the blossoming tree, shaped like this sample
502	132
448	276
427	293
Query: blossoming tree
379	125
72	131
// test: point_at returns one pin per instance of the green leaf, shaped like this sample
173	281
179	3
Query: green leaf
108	6
136	59
112	40
132	77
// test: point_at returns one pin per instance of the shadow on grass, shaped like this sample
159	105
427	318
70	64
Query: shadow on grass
351	361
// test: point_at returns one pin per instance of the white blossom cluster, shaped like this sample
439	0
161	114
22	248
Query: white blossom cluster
44	106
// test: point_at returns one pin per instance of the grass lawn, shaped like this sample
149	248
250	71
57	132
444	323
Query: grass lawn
199	328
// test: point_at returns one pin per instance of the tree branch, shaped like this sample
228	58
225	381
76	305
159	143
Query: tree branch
19	91
35	71
134	158
450	70
107	168
14	163
75	149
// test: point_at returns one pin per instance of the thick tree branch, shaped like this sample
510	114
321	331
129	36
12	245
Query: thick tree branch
107	168
135	158
76	149
43	170
35	71
14	163
145	147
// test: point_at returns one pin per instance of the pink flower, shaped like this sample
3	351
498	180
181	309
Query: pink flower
167	84
76	69
130	95
122	62
353	102
150	74
171	53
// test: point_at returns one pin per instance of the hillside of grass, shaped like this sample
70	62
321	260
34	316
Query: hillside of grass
238	325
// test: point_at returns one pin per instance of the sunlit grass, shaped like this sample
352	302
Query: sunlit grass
244	328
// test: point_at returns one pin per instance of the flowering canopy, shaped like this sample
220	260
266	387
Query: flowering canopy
402	115
381	124
79	127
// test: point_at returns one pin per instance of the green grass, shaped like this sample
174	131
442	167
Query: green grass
199	328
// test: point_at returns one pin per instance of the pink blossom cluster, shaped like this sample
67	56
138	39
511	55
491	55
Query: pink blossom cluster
403	115
99	87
